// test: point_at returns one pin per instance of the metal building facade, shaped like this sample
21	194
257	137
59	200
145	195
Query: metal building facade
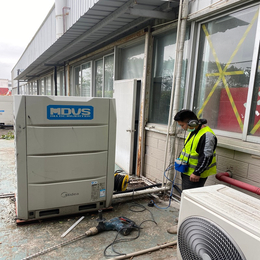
99	30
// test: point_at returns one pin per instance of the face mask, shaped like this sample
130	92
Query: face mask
190	130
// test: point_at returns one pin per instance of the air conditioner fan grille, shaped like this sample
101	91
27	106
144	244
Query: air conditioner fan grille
202	239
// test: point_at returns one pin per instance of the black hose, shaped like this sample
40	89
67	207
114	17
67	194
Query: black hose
177	188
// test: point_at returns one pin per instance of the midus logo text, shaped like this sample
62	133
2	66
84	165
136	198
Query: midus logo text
66	194
63	112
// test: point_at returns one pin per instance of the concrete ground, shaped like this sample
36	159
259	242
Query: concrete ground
23	240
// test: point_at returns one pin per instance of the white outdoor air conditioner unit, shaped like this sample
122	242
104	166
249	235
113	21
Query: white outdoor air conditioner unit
65	155
6	111
218	223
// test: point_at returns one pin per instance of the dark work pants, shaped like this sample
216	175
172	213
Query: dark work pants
187	184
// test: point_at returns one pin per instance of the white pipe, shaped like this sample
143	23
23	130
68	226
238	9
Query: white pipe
59	4
140	192
175	94
145	251
184	18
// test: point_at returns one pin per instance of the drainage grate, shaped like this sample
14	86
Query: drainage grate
202	239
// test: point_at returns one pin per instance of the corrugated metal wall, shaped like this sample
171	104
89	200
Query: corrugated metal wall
77	9
46	35
43	39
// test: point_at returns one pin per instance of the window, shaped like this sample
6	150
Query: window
60	84
49	86
42	86
226	47
109	76
254	123
86	80
77	80
163	65
98	78
132	62
104	76
82	80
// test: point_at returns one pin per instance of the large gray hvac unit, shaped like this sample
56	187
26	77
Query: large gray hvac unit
65	154
218	222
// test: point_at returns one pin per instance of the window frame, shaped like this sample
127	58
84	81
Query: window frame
189	68
124	46
92	63
244	135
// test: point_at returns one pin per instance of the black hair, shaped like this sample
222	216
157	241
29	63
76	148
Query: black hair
185	115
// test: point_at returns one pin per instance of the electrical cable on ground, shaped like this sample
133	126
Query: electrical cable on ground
116	240
173	184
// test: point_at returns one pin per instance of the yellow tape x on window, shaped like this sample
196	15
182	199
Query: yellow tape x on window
222	73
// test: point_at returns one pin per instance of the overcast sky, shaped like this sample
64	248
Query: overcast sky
19	21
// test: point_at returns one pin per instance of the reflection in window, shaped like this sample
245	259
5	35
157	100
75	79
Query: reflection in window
58	84
109	76
34	88
224	66
99	78
82	80
62	86
132	62
254	123
163	64
48	86
77	80
86	80
42	87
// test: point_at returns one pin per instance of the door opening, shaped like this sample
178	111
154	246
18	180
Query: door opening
136	133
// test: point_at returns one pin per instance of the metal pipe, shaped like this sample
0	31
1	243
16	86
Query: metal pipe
225	176
148	250
141	192
137	189
184	18
38	86
63	17
142	121
175	93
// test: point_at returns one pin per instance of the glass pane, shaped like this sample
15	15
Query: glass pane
62	91
254	124
77	81
42	87
224	65
34	87
163	65
58	84
132	62
86	80
99	78
48	86
109	76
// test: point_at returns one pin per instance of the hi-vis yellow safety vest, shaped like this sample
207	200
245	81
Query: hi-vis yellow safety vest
189	151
